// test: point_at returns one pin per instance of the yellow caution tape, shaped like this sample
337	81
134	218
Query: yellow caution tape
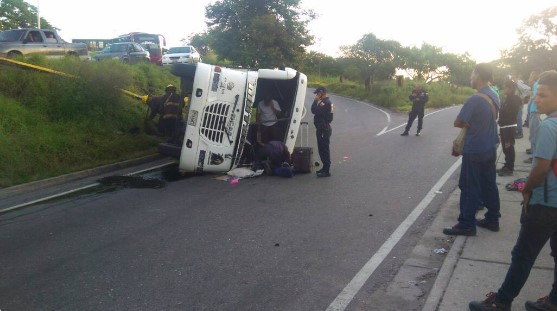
37	67
143	98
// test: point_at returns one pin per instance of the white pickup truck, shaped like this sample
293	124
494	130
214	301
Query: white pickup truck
217	123
39	41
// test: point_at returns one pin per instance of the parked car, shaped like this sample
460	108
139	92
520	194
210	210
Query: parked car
181	55
128	52
24	41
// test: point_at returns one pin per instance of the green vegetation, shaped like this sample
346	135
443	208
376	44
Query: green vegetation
387	94
51	125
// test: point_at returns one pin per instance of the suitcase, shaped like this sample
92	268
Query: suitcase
302	156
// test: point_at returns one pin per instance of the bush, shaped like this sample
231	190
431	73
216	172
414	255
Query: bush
52	125
387	94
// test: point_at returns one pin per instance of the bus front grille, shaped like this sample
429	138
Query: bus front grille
213	126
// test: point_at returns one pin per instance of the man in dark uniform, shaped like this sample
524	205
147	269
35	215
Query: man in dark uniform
418	98
322	109
169	106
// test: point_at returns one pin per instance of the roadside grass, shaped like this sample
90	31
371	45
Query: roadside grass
52	125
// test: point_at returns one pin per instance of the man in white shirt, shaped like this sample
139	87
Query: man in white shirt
268	128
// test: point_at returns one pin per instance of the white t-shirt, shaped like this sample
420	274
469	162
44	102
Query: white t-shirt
266	112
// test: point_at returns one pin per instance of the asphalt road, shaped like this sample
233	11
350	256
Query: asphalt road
267	243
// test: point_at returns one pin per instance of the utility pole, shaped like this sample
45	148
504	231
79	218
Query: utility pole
38	16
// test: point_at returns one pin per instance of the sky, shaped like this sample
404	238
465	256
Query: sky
480	27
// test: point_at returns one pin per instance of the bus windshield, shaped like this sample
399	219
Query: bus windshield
154	43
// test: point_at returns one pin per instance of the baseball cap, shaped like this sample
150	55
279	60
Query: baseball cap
320	89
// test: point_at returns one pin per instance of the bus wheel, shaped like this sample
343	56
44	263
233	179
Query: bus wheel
13	54
183	70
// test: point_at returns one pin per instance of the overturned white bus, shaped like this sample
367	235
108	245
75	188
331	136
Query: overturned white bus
221	100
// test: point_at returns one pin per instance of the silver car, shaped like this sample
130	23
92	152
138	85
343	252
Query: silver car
181	55
47	42
128	52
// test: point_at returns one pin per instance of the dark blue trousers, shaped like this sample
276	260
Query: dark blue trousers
538	225
412	116
478	187
323	142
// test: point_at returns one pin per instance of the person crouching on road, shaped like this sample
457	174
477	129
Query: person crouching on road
274	157
322	109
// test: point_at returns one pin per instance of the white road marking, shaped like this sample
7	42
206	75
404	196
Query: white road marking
384	131
347	294
75	190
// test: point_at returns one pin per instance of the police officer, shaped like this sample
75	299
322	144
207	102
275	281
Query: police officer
418	98
322	109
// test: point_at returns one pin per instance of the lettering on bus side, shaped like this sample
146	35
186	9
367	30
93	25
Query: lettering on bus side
250	91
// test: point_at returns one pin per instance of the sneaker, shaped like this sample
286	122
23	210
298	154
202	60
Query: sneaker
418	134
323	174
505	172
404	134
502	168
528	161
489	304
518	136
489	225
529	151
459	230
542	304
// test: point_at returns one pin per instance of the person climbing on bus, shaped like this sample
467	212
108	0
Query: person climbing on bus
169	106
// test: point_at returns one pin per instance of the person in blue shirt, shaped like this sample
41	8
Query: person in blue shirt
533	115
477	181
539	210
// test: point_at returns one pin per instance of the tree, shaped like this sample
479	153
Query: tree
459	68
377	59
427	63
201	42
19	14
316	62
537	46
259	33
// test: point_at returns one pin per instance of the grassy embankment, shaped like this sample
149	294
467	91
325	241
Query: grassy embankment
52	125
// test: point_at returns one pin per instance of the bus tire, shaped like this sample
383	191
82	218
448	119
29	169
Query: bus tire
184	70
14	54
